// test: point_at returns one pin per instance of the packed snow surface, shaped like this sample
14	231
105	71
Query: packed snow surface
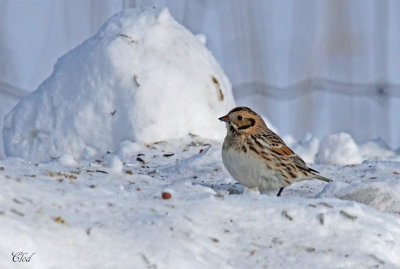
109	212
143	77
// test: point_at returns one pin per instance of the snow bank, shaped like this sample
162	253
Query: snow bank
143	77
373	183
338	149
375	150
341	149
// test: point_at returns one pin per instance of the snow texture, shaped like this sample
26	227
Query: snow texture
94	215
143	77
338	149
307	148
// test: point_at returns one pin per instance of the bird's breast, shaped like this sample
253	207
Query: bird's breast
250	170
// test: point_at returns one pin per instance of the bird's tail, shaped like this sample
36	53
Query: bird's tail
322	178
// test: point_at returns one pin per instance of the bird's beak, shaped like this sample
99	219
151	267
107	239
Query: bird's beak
224	118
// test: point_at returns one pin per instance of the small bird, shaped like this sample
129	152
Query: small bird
257	157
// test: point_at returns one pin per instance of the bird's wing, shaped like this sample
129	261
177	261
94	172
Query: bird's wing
282	149
301	164
278	146
286	151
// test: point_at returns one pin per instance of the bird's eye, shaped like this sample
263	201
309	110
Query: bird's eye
240	118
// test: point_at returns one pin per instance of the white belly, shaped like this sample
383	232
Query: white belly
251	171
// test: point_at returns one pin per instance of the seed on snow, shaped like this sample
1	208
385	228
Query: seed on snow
166	195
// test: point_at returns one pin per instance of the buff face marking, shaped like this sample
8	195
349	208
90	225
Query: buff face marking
257	157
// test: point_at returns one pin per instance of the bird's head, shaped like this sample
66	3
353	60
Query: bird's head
243	120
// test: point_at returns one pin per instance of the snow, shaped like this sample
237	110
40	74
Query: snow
114	163
99	92
377	184
376	149
307	148
120	220
67	160
338	149
119	166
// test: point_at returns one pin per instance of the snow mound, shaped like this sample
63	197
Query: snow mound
338	149
143	77
373	183
375	150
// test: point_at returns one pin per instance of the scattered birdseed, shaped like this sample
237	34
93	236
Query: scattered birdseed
166	195
347	215
60	220
321	218
51	174
233	191
15	200
140	160
16	212
136	79
326	204
286	215
215	240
